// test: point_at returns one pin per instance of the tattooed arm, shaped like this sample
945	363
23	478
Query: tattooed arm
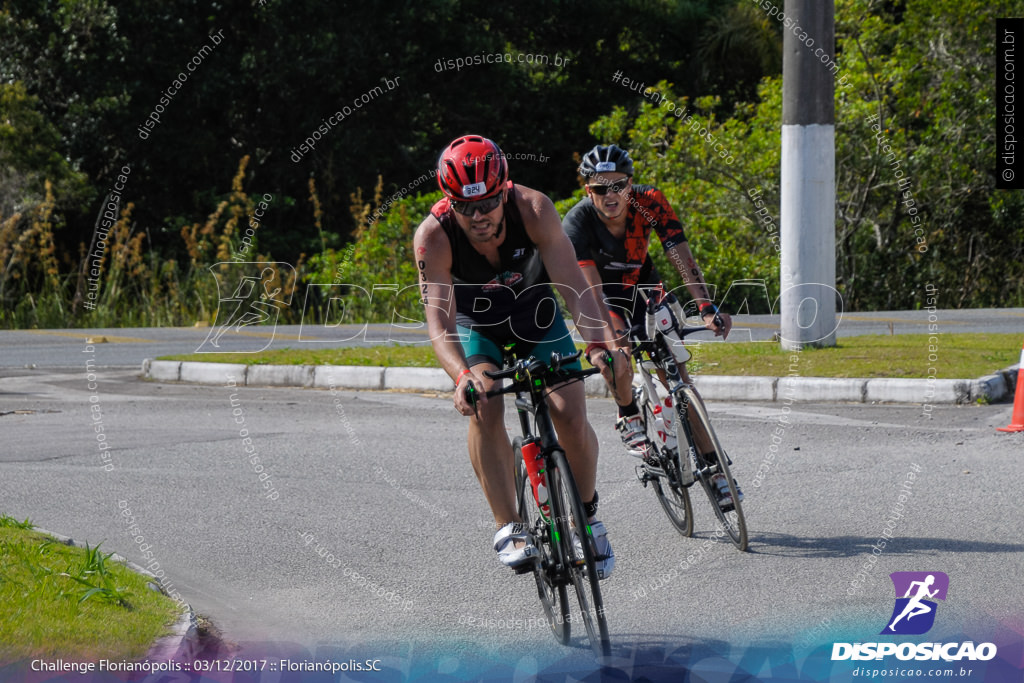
682	258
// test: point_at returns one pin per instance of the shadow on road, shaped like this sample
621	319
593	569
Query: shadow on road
787	545
657	657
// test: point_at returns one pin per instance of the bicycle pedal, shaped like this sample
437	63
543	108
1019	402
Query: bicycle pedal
525	568
706	472
654	471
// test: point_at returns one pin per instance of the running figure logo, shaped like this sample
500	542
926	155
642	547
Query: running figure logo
914	613
254	297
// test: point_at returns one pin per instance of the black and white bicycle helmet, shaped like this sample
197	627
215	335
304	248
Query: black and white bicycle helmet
606	159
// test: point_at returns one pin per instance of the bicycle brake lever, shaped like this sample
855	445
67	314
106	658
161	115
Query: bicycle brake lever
609	360
470	393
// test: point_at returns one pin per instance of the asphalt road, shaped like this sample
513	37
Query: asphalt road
378	485
128	347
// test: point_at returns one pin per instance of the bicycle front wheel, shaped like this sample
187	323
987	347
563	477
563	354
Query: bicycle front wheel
552	597
571	524
731	519
673	496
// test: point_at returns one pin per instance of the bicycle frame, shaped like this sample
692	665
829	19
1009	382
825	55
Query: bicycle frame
534	404
681	469
558	564
660	357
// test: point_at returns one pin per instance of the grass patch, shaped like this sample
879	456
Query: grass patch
420	356
64	601
958	356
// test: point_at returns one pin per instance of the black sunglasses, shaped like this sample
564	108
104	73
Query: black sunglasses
617	186
483	205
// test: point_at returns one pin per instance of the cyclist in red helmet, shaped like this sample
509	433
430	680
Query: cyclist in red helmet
610	230
494	243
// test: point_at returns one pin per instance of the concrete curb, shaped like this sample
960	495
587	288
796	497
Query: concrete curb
886	390
183	642
820	389
348	376
280	375
731	388
992	388
162	370
417	379
214	373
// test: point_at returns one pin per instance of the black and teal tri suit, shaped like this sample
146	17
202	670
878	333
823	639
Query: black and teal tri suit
511	303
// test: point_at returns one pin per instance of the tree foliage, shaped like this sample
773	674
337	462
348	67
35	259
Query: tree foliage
100	69
924	77
79	77
926	71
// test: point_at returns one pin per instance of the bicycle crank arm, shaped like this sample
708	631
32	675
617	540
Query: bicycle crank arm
526	567
707	472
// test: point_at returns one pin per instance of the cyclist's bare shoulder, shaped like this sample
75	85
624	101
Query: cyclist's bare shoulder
431	243
539	215
533	205
429	227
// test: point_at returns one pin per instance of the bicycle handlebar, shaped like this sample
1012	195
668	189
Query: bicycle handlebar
683	333
654	301
526	369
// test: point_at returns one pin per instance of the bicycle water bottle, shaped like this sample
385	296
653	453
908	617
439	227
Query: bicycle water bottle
666	324
668	419
659	427
686	457
535	470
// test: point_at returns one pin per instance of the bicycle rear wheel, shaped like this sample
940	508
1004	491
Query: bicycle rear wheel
673	496
571	518
552	597
732	520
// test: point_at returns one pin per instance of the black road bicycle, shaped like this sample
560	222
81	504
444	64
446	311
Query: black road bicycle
673	469
560	531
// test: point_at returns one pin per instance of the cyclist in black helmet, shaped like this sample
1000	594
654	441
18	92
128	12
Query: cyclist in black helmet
611	229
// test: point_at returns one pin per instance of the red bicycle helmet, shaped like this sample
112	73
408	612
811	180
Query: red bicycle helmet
471	168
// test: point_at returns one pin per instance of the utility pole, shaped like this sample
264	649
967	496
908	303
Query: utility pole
808	197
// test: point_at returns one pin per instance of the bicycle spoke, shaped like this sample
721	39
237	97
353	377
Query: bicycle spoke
556	566
732	520
571	521
672	495
552	597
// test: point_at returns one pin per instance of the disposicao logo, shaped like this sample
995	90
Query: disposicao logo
914	614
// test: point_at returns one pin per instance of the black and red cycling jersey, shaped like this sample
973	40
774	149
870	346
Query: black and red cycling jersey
624	262
513	299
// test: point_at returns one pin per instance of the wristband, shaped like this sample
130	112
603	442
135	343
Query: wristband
459	378
594	345
706	305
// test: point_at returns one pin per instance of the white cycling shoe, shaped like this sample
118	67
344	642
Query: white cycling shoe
721	485
505	543
606	564
634	435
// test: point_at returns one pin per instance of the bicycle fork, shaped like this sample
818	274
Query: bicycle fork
689	457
